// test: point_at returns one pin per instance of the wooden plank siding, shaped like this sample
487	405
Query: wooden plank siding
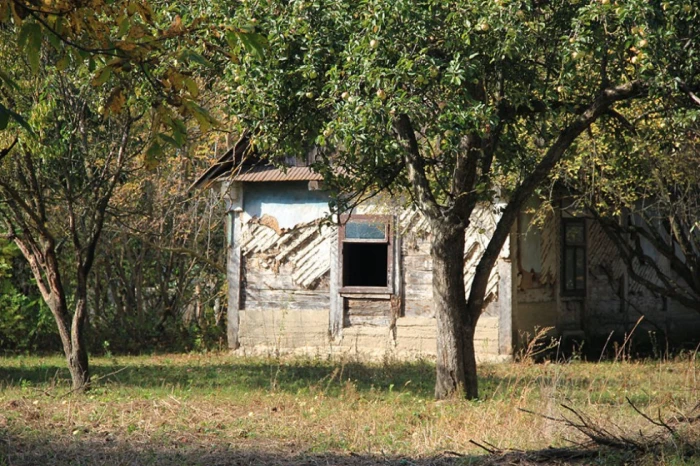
285	269
374	312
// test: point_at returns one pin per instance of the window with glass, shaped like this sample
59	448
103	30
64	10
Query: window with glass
573	256
365	244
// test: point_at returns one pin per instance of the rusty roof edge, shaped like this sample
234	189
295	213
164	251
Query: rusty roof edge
220	168
270	173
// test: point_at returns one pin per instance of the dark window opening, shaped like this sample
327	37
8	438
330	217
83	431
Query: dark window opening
366	254
365	264
573	256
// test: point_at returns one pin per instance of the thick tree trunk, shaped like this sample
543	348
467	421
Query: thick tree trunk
456	363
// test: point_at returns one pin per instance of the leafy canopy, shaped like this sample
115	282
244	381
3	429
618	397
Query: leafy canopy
144	55
337	74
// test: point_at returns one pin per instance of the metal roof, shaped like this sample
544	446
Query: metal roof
234	156
239	165
269	173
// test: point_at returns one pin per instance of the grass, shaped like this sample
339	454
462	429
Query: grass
223	409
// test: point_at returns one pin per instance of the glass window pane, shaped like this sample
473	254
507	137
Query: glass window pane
569	280
365	230
574	233
580	269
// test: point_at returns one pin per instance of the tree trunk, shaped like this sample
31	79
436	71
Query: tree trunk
78	366
471	381
456	362
73	345
78	356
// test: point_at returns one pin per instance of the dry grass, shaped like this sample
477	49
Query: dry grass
220	409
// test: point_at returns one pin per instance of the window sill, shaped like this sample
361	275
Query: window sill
573	297
359	292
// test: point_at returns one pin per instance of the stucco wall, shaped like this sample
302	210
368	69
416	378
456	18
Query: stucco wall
290	203
305	331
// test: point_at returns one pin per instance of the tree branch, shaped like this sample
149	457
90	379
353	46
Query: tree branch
553	155
415	165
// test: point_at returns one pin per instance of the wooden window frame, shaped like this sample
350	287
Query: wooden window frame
565	221
388	240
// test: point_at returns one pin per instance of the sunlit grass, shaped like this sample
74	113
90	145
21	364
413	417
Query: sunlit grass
314	406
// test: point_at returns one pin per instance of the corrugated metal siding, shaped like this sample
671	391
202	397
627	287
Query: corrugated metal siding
267	173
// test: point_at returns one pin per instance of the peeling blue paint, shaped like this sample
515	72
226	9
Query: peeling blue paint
291	203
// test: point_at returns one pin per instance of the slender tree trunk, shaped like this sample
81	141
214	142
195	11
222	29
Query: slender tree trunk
471	381
73	346
78	366
455	341
78	357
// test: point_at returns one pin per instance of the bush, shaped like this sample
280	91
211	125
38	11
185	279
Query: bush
26	323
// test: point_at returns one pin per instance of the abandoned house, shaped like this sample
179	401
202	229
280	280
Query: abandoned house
298	283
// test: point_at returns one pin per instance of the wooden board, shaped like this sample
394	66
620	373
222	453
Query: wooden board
375	312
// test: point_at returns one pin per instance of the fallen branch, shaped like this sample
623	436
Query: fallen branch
488	450
653	442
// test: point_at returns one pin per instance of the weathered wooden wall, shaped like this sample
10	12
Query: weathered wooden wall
286	287
612	303
536	303
285	269
617	302
418	265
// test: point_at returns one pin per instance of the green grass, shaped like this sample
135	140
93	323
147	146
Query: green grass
222	409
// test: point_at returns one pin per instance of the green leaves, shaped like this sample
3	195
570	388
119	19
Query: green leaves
29	39
6	114
5	78
190	56
338	73
153	155
253	42
101	76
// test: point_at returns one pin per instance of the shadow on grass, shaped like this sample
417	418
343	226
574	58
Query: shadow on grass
19	451
290	376
105	450
243	375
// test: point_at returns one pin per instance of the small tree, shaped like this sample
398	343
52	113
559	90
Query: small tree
56	184
449	102
80	82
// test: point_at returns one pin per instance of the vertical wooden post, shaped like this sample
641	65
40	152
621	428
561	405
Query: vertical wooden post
335	324
234	206
398	264
398	298
505	300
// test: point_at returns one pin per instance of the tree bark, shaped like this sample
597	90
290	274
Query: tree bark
78	356
45	268
456	374
454	341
